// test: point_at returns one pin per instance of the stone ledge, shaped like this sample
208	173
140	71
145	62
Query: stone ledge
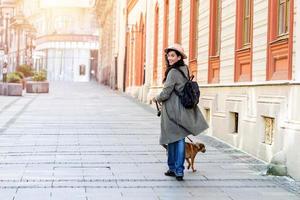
37	86
11	89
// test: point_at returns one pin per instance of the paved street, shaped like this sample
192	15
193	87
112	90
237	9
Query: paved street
83	141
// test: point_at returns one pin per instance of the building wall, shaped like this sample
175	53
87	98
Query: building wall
111	17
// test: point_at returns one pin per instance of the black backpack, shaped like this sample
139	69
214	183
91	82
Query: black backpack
189	96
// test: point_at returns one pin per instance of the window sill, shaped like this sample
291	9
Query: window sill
281	39
246	48
214	57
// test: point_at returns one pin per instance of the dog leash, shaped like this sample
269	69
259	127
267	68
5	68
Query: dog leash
190	139
158	110
159	113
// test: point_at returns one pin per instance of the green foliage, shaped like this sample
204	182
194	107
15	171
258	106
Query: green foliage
13	78
20	74
40	75
25	69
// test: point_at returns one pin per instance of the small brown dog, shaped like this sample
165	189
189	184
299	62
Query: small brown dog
191	150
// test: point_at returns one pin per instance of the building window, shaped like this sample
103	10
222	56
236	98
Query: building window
82	70
155	45
62	23
234	122
246	23
178	21
207	115
214	41
283	17
217	28
194	16
280	40
165	34
269	130
194	29
243	41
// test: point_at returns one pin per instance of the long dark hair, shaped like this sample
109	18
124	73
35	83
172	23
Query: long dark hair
179	63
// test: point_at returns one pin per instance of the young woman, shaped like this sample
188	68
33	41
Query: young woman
177	122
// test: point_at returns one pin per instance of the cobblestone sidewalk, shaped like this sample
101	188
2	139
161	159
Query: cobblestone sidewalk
83	141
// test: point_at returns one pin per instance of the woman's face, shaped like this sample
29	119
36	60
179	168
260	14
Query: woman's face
172	57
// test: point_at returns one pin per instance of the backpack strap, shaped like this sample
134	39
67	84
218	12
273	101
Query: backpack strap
183	74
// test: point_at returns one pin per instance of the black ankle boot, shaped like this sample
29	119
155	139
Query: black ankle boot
170	173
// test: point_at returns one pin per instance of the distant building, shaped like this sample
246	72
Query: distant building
66	42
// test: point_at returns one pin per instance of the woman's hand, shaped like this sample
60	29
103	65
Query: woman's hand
154	100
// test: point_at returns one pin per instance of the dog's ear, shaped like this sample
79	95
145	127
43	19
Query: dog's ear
198	145
203	149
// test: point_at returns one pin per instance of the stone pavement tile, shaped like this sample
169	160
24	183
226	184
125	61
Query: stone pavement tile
34	184
38	175
136	147
81	183
194	175
152	166
40	157
143	158
68	148
91	148
172	193
44	147
21	150
99	176
232	183
103	193
67	158
261	193
213	171
138	193
96	170
208	193
32	194
9	172
129	175
67	176
7	194
127	167
88	158
17	158
5	146
150	183
68	194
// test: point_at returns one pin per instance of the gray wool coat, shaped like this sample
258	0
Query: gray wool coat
177	122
